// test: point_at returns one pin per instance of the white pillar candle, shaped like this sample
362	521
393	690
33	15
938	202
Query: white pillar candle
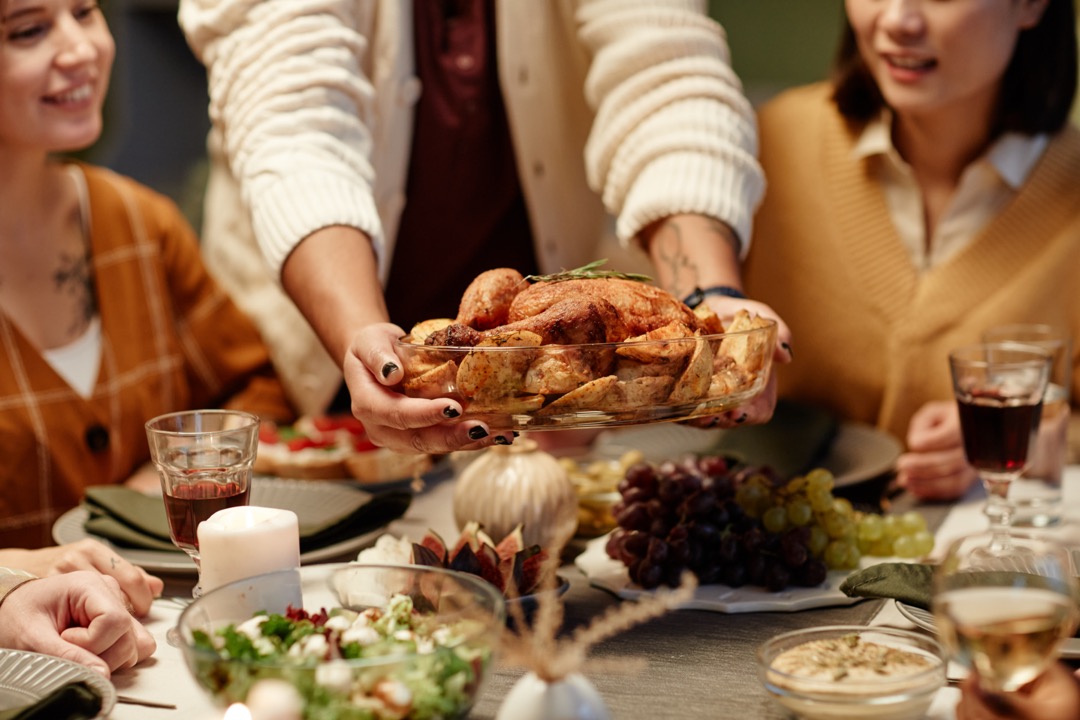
241	542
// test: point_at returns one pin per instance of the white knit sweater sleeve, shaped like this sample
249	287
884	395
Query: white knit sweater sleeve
293	106
673	131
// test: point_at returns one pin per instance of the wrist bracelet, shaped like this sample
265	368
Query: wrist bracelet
698	296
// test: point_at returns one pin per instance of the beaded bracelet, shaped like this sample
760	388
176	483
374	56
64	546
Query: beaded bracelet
698	296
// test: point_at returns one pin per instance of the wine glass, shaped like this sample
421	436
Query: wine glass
204	458
1004	610
999	389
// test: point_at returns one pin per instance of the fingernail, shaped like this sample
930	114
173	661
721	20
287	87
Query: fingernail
714	421
450	411
500	440
741	419
786	346
388	369
516	433
477	433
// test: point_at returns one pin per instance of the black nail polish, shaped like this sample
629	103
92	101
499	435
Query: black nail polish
515	433
388	368
741	419
477	433
714	422
450	411
790	352
500	440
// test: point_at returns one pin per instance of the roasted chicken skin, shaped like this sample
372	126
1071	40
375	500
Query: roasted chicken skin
641	307
486	302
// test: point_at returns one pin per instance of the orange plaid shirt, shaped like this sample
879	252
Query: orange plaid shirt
171	340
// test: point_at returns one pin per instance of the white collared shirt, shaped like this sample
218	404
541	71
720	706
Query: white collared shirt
985	187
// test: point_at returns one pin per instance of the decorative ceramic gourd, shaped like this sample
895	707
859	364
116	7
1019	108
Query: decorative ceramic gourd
508	485
571	698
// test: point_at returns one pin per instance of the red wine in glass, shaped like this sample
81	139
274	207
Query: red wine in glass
998	431
188	504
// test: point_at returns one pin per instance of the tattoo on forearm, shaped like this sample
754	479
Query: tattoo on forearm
75	279
672	260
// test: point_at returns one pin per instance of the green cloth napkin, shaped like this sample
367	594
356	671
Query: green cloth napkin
74	701
135	520
796	438
910	583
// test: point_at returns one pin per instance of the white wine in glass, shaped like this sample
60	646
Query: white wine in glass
1004	610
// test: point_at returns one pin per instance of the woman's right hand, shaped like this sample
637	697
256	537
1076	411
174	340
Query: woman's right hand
1054	695
392	420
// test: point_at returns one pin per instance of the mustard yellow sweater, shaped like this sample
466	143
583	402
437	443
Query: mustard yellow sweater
872	336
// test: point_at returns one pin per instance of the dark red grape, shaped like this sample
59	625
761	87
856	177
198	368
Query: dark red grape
812	573
713	465
729	550
658	551
640	475
649	576
636	543
776	577
734	575
634	517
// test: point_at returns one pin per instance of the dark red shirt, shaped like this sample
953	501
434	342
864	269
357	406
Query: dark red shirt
464	212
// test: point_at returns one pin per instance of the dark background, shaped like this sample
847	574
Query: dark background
156	120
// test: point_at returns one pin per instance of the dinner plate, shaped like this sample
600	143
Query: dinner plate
609	574
313	501
439	470
27	677
859	452
924	619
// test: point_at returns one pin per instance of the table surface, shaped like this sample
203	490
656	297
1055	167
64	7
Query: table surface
698	663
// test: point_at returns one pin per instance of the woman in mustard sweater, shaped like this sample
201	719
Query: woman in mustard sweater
926	194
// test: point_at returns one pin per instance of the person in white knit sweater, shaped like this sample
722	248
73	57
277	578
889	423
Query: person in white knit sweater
382	152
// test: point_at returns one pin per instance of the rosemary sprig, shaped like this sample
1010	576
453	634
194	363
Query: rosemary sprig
588	272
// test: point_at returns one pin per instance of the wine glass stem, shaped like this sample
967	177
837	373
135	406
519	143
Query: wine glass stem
998	507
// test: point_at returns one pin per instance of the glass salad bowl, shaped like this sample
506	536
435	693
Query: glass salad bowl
353	640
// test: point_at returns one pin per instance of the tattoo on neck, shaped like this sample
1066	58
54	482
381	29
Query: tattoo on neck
74	279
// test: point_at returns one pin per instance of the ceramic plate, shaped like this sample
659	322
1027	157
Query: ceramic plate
26	677
313	501
439	470
925	620
859	452
608	574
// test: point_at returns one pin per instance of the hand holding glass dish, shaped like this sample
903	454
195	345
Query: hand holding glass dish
999	388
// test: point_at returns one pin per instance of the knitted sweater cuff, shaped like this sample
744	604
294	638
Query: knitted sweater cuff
290	208
728	189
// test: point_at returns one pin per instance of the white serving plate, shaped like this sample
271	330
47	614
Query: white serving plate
609	574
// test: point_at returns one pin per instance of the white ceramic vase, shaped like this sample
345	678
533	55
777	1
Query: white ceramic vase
572	698
508	485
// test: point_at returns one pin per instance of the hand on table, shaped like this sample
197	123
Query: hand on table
1055	695
395	421
136	584
935	467
79	616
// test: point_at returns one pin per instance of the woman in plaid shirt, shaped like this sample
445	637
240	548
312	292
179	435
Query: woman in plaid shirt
107	315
